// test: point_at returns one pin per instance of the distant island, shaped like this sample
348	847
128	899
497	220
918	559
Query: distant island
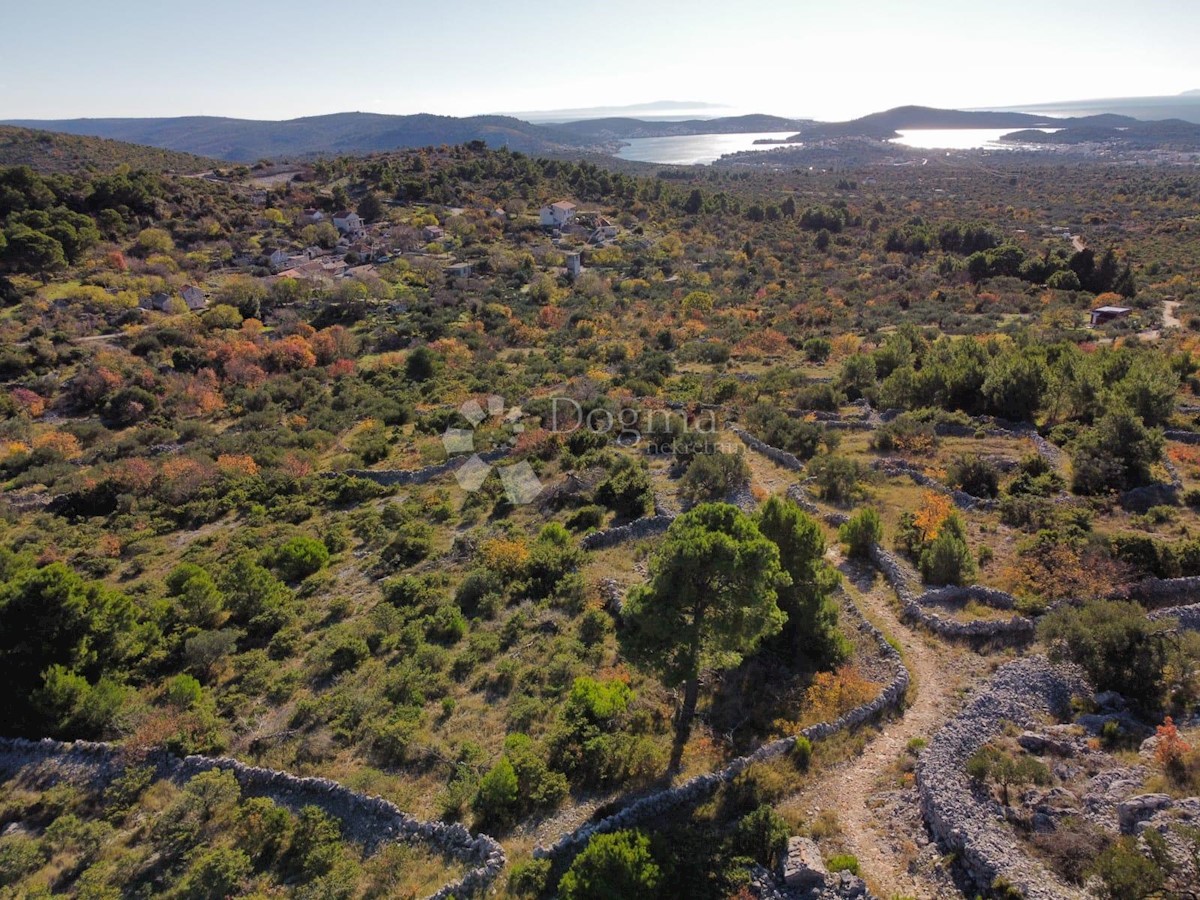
248	141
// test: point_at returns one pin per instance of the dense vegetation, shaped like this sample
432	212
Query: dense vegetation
192	558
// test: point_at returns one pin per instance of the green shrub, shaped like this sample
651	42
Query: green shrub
20	855
611	866
947	559
1125	873
802	752
627	490
976	475
862	530
1114	642
587	518
300	557
712	477
844	862
992	764
343	649
528	878
838	478
761	835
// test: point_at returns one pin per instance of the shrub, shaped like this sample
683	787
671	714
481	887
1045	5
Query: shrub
1072	847
528	878
586	518
613	865
344	650
300	557
905	434
975	475
843	862
627	490
713	477
761	835
216	873
862	530
992	764
497	799
19	856
802	752
412	543
1125	873
1119	648
947	559
1115	454
839	478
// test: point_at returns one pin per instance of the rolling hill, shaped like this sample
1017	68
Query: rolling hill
48	151
248	140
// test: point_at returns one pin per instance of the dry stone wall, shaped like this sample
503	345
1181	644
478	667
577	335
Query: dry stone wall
915	607
645	527
962	499
389	477
971	824
371	821
780	457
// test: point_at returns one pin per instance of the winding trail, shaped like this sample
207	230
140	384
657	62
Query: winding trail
848	789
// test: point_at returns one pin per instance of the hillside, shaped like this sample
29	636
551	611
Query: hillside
407	562
885	125
248	140
47	151
1171	134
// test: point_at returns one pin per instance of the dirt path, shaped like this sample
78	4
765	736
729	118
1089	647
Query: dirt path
1170	319
1078	243
850	790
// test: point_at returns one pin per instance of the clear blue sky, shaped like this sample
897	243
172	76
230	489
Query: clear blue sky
68	58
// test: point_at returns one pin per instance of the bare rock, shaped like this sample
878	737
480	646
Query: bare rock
1136	809
803	866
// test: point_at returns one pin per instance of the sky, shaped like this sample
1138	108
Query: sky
828	60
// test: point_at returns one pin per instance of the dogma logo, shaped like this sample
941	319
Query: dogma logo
521	484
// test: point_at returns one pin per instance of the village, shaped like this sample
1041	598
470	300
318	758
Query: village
322	247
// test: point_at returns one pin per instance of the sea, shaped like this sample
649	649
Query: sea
703	149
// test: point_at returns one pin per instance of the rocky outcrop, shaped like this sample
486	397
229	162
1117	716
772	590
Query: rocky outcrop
1187	616
370	821
803	866
1159	592
969	823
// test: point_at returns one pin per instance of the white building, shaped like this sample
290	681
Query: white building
347	222
556	215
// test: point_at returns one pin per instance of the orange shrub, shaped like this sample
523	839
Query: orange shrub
28	401
57	445
934	511
504	556
237	465
833	694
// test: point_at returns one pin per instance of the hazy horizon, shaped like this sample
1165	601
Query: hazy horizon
136	59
